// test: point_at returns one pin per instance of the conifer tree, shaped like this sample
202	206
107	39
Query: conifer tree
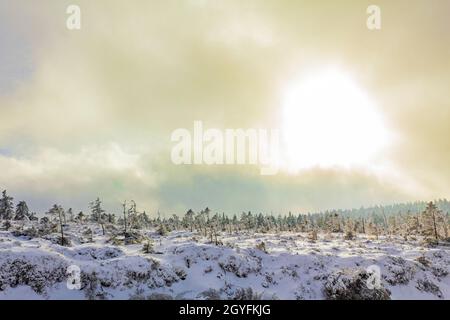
432	219
98	213
22	211
6	206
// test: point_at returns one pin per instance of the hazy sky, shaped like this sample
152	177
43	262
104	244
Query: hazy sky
90	112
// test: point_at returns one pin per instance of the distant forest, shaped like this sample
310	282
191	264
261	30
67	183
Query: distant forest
417	218
389	210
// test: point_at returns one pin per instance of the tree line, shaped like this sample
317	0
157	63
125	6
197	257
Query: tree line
420	218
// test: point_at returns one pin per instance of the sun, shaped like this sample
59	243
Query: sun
330	121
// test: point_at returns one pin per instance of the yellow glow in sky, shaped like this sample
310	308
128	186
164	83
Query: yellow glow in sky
89	113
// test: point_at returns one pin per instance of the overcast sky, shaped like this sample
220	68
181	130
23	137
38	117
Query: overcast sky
89	113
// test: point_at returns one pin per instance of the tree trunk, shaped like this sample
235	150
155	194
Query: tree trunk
386	224
124	217
363	226
62	230
434	225
418	224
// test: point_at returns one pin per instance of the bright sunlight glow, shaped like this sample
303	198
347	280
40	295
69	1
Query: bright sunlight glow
329	121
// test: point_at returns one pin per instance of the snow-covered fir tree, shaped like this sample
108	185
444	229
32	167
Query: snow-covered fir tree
6	206
22	211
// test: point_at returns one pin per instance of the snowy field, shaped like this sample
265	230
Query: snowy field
185	265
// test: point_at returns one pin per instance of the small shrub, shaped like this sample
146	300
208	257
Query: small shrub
424	261
148	247
208	269
399	271
246	294
162	230
180	273
133	237
6	225
210	294
349	235
261	246
62	241
431	242
159	296
352	285
313	235
28	233
428	286
116	240
88	235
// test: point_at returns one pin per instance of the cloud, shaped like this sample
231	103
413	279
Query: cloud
232	191
91	111
106	171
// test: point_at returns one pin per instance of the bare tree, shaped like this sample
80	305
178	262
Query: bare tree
124	206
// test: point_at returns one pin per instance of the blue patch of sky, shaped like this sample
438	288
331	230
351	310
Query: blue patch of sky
16	59
5	152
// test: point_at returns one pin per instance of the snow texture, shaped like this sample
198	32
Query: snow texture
185	265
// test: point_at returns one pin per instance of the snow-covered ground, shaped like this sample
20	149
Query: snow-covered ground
185	265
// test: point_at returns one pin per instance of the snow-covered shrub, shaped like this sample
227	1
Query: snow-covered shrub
116	239
313	235
261	246
188	261
210	294
159	296
47	227
137	272
305	292
133	237
88	235
157	276
162	230
351	284
430	242
439	271
208	269
180	272
400	271
148	247
59	240
28	233
241	266
424	261
6	225
39	273
93	286
428	286
246	294
98	253
290	271
349	235
139	295
268	280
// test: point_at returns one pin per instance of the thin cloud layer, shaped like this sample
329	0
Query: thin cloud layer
89	113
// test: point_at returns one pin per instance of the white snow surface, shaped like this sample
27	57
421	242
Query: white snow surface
186	265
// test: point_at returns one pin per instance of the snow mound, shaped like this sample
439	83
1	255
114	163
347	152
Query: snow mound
352	285
186	265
